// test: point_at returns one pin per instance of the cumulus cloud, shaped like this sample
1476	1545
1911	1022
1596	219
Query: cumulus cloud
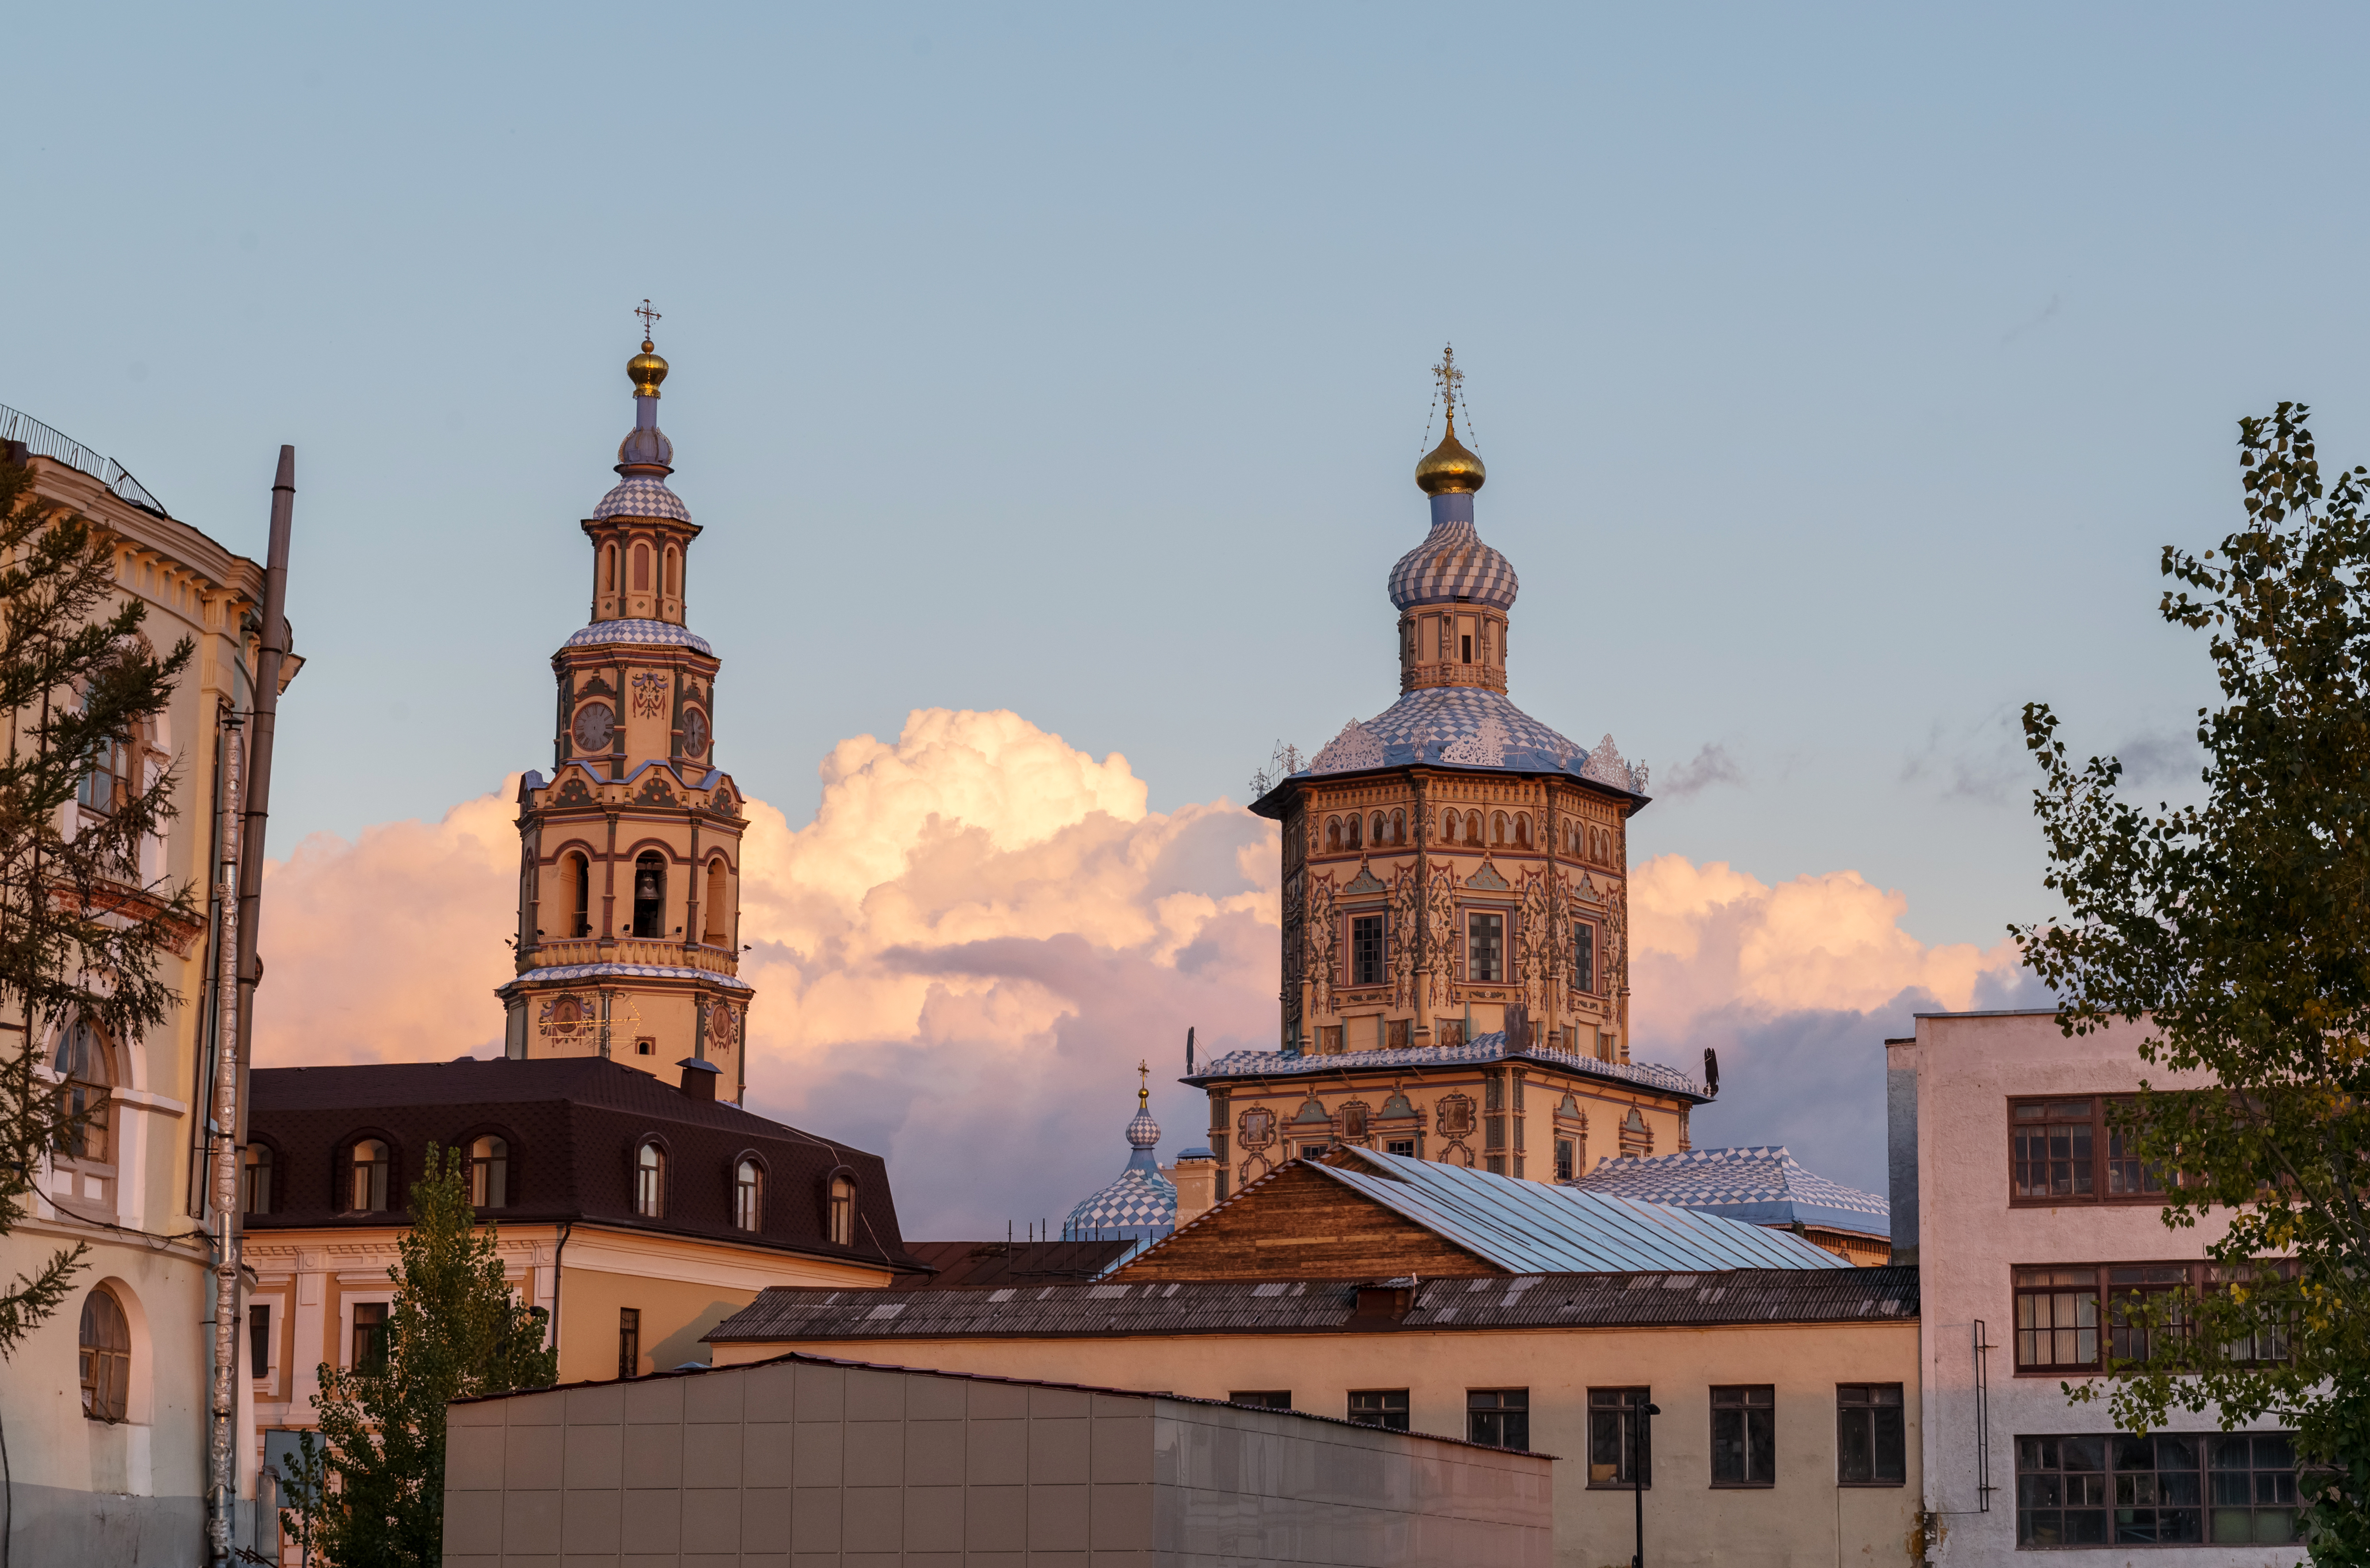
960	958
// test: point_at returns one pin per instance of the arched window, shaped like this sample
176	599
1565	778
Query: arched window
748	1196
106	1357
608	569
255	1179
1398	826
579	894
1521	831
650	1181
673	574
86	1067
717	919
489	1172
641	568
842	1211
366	1163
1350	832
649	894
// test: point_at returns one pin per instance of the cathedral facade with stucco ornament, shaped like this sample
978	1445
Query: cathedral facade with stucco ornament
629	864
1456	954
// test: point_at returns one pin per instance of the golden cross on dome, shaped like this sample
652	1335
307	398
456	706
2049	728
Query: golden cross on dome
1143	1084
649	317
1451	379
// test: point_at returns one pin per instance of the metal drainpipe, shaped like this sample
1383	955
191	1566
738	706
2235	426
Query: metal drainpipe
220	1457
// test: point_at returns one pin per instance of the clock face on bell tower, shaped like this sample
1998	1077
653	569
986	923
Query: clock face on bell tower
629	876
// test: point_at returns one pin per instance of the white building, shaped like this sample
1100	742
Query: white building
104	1406
2028	1221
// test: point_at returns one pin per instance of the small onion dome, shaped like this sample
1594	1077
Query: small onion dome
646	370
1449	469
1143	1132
1452	564
646	449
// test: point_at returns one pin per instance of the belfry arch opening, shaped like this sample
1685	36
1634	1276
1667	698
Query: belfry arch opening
716	915
649	894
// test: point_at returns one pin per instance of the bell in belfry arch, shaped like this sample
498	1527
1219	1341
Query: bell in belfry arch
646	884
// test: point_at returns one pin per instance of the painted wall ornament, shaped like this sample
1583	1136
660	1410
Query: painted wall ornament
563	1017
650	688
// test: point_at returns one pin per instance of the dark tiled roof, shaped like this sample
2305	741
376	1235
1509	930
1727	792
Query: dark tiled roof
572	1127
984	1266
1239	1307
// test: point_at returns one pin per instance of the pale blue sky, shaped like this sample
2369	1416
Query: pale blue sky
1839	371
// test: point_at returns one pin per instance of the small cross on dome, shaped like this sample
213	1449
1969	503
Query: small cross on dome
650	318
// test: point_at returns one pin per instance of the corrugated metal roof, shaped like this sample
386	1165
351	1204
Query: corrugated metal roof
1762	1185
1661	1298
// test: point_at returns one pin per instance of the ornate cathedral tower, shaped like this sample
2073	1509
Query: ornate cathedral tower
630	869
1455	909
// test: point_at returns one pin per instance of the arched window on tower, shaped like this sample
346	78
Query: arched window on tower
649	894
717	915
673	574
579	895
608	569
641	568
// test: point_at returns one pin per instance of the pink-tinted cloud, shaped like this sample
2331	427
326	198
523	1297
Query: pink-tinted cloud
960	958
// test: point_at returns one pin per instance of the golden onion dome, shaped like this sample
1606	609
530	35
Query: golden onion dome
646	370
1449	469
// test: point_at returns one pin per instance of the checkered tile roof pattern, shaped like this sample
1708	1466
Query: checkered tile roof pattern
643	496
1140	1203
1453	563
1763	1184
1491	1048
663	633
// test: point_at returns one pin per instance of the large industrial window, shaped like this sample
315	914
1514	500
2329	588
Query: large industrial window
1486	958
2071	1151
1744	1436
2171	1489
1870	1438
1620	1448
1366	950
1380	1407
1499	1417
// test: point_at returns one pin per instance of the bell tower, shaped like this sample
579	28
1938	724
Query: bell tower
629	864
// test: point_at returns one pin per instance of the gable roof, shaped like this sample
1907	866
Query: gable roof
1525	1227
1762	1185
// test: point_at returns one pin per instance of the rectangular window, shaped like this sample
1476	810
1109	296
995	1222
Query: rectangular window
1486	959
1583	956
1563	1159
1403	1148
2171	1489
1365	950
369	1337
1744	1436
1620	1448
1262	1398
1499	1417
1380	1407
258	1340
2135	1293
2052	1148
629	1342
2056	1319
1871	1444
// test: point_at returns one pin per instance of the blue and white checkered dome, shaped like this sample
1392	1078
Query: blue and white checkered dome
1143	1132
1141	1205
1453	564
642	495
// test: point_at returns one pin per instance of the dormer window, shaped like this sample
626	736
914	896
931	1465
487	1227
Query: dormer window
748	1196
650	1181
489	1172
255	1179
842	1211
366	1163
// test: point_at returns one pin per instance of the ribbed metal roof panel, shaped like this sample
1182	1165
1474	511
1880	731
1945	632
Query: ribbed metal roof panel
1664	1298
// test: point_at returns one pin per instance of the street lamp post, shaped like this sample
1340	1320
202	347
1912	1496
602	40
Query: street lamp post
1640	1446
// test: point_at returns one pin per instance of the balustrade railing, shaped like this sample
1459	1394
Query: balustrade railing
552	953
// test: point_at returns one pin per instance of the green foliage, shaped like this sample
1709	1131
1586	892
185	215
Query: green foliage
2238	929
79	931
456	1330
